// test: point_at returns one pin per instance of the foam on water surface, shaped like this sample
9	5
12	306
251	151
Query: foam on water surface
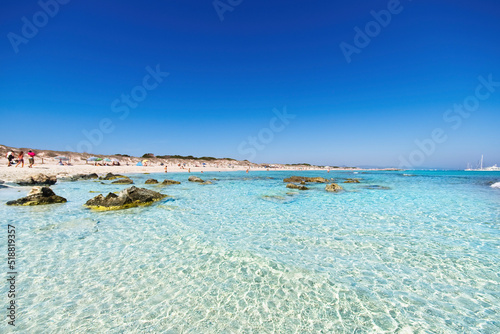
390	254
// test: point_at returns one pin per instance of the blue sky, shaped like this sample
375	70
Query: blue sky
225	78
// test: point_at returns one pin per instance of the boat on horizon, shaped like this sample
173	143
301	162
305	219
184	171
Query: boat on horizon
493	168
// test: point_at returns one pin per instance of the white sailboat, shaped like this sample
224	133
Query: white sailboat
493	168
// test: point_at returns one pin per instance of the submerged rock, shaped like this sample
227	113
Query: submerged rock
299	179
288	198
38	180
169	182
123	181
376	187
333	187
127	198
206	182
151	181
193	178
352	181
296	186
111	176
39	196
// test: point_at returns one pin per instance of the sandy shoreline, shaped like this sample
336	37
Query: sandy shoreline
11	174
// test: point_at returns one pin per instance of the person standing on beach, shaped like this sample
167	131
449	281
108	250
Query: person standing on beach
20	159
165	169
10	157
31	158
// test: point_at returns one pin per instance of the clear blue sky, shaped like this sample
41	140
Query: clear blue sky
226	77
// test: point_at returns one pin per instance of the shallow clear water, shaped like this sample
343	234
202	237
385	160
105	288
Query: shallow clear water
247	255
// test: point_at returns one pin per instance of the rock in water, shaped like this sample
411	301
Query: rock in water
296	186
38	180
169	182
299	179
352	181
317	179
84	177
193	178
127	198
206	182
39	196
78	177
111	176
151	181
333	187
296	179
125	180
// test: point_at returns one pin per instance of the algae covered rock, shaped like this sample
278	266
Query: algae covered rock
300	179
169	182
127	198
295	179
78	177
151	181
39	196
296	186
123	181
317	179
38	180
352	181
333	187
111	176
206	182
193	178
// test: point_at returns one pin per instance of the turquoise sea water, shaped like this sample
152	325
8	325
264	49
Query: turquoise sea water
247	255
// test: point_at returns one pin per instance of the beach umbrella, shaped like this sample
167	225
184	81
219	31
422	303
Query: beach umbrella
115	160
106	159
143	161
139	163
31	154
92	159
98	159
61	158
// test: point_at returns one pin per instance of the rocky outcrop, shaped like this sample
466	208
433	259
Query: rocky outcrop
38	180
170	182
193	178
151	181
91	176
123	181
295	179
333	187
352	181
111	176
78	177
317	180
127	198
296	186
206	182
39	196
299	179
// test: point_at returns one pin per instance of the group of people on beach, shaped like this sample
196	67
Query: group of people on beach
20	158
